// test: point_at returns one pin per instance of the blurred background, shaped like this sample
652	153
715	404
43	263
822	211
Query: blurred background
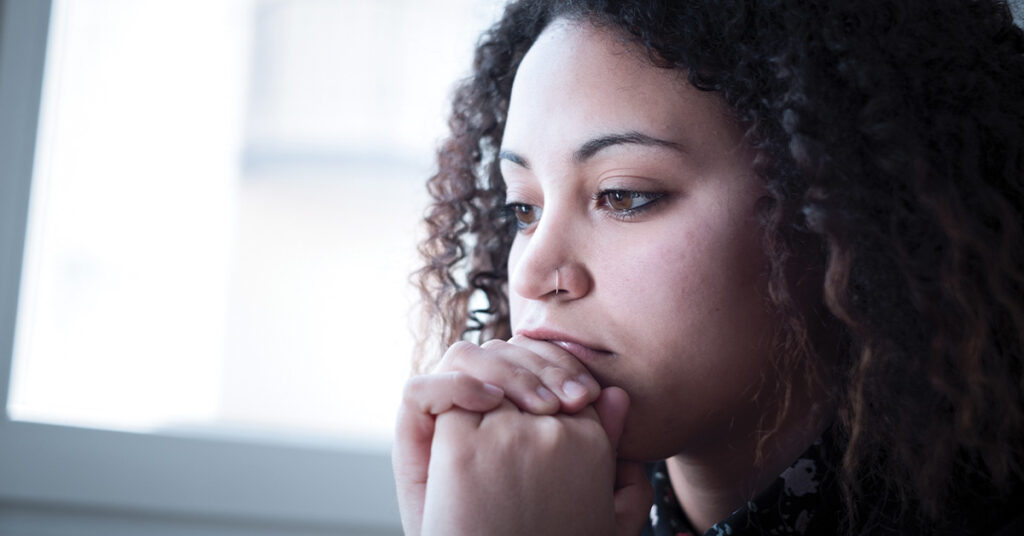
217	225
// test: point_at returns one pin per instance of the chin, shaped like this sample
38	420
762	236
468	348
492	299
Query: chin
641	444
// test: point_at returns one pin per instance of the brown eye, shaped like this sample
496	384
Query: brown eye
625	202
620	200
525	216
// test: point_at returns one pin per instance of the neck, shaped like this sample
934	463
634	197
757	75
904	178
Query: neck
712	483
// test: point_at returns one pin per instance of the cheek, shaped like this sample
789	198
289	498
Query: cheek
683	277
693	309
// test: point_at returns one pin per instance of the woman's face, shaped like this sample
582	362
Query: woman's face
635	192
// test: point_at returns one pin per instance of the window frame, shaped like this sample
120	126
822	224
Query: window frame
112	478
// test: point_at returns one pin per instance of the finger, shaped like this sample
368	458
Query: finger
557	370
511	368
633	497
423	398
427	396
611	407
563	373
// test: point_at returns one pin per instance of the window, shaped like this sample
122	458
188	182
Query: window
213	305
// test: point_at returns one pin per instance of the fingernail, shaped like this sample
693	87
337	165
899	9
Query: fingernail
574	389
546	395
590	383
494	390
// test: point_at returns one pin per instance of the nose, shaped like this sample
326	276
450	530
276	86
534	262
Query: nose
549	263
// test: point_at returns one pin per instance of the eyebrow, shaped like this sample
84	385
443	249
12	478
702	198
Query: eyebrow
596	145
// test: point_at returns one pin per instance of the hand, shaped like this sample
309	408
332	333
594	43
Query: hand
539	377
469	377
424	398
509	472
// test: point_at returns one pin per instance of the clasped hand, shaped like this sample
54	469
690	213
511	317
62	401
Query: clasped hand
498	440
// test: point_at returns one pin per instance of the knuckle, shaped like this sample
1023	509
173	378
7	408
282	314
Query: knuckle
413	387
492	343
457	354
550	431
554	372
456	379
524	375
460	347
423	393
451	451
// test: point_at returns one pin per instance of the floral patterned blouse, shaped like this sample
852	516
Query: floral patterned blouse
803	500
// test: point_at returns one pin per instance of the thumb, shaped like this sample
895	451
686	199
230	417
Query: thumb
633	497
611	406
633	494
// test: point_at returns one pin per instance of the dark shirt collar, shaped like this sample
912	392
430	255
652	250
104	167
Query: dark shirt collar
803	500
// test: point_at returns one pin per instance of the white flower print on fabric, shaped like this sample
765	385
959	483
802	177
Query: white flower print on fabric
800	478
719	529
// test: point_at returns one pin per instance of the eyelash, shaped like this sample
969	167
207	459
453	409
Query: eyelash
652	198
512	210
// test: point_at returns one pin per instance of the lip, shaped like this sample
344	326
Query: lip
582	350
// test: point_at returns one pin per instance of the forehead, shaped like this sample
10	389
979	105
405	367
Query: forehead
579	81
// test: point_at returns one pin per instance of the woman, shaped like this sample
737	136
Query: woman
776	247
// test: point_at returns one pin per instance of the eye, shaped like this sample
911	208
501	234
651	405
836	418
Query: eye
627	202
525	215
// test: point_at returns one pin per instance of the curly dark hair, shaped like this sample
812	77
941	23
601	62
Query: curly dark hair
890	135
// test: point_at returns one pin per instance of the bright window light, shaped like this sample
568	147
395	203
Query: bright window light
225	209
